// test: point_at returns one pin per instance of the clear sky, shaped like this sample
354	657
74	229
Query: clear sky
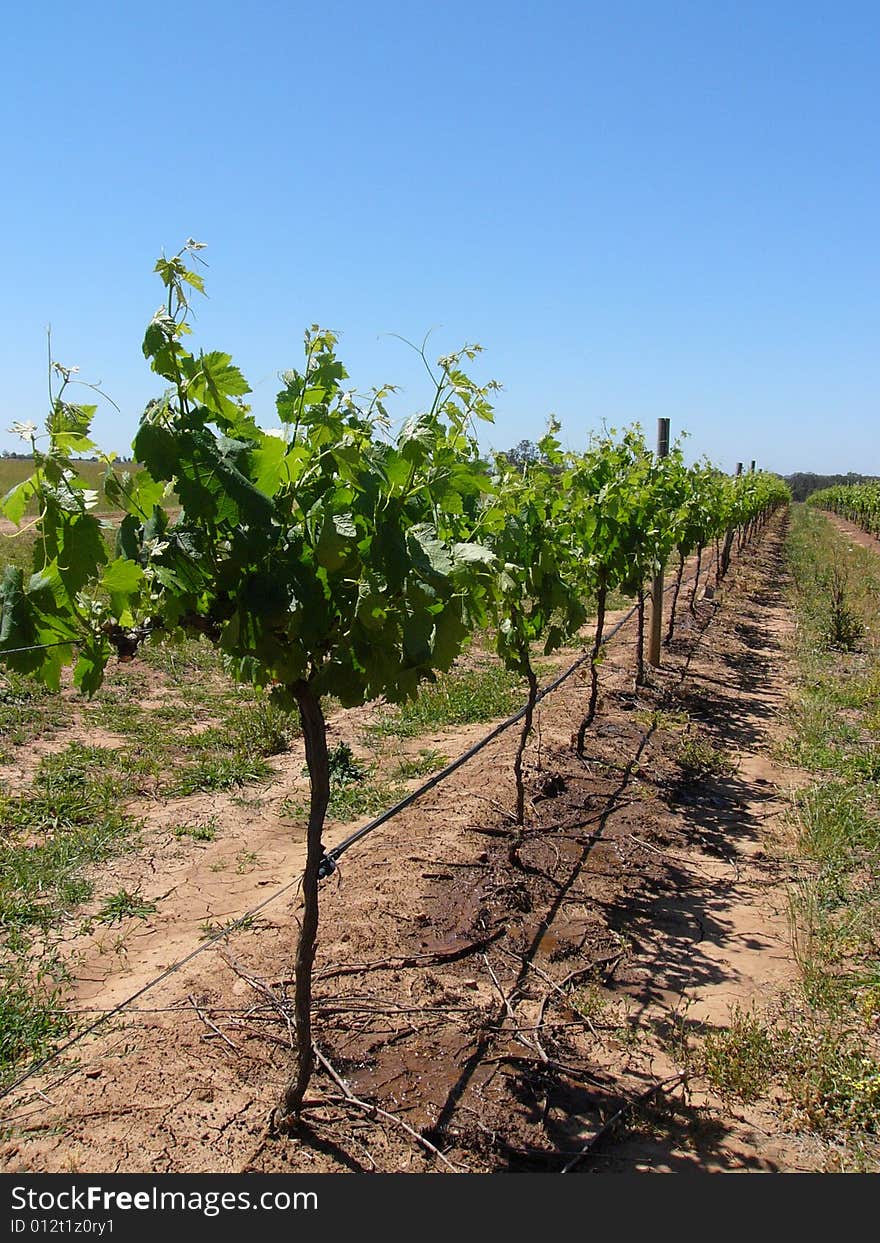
640	208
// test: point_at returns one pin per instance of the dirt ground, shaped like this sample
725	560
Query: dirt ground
853	532
501	1010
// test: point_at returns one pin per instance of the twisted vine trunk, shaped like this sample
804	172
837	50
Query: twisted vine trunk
717	560
518	765
523	739
315	736
676	589
601	596
696	578
725	555
640	639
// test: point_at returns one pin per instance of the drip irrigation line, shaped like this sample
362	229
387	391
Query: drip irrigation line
328	864
332	857
169	971
39	647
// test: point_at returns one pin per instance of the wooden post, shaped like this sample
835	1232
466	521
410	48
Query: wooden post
752	468
657	587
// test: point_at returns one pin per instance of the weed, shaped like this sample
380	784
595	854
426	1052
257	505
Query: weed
30	1018
826	1050
124	905
245	861
698	759
219	772
366	798
662	718
343	767
832	1080
355	790
461	697
421	765
27	710
50	834
739	1060
198	832
591	1003
210	928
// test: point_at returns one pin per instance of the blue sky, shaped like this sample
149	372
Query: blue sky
640	209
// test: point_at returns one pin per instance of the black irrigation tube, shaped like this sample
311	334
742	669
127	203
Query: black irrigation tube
328	864
39	647
104	1015
331	857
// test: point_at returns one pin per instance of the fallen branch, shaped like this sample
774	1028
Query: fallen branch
376	1111
410	960
664	854
533	1045
209	1023
264	990
610	962
571	1072
665	1085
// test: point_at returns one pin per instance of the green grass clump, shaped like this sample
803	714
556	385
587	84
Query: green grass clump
832	1080
31	1020
217	772
50	834
739	1060
167	756
827	1075
356	789
28	710
421	765
365	798
124	905
197	832
461	697
699	759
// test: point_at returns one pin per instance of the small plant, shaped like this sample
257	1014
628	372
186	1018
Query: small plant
421	765
843	626
591	1003
210	928
198	832
662	718
699	759
124	905
344	768
245	861
738	1060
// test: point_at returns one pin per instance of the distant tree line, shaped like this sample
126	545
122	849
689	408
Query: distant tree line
26	457
804	483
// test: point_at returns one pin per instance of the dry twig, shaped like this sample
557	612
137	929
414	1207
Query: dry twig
376	1111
